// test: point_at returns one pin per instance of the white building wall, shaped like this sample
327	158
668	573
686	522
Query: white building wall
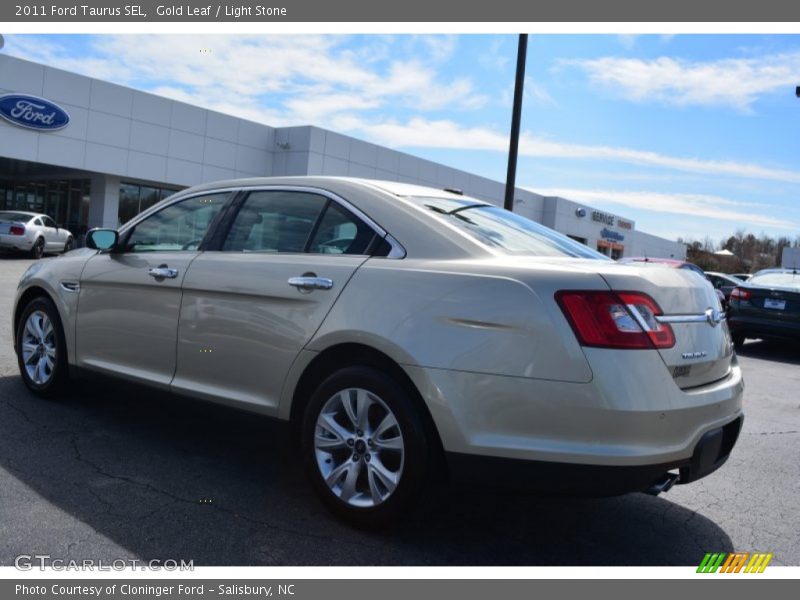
130	134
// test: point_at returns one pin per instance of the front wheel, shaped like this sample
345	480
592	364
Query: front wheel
41	348
365	446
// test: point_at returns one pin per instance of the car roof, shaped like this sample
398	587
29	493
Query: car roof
394	188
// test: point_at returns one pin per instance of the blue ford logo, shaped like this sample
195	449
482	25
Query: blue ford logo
32	112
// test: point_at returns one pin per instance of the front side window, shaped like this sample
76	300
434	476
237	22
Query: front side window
180	226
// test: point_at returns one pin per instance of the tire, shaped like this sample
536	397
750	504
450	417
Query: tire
37	250
738	340
68	246
385	481
43	377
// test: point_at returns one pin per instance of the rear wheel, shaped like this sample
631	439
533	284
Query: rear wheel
37	250
68	246
41	348
364	446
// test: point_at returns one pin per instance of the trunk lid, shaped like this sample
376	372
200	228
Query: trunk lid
5	226
703	351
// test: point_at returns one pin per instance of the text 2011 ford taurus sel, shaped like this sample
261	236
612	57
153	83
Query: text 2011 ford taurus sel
407	332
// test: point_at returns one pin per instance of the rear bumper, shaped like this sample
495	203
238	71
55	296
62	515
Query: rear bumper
709	454
631	414
15	242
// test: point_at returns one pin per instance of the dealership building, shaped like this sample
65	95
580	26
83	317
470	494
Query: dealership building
92	153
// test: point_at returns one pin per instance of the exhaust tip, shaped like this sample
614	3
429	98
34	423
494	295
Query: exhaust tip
663	485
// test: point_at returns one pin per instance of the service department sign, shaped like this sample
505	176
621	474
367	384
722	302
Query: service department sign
33	112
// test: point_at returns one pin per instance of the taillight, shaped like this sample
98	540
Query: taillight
740	294
16	230
623	320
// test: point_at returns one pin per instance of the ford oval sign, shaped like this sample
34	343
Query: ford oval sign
32	112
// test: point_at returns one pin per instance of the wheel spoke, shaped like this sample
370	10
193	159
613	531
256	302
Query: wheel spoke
336	474
374	491
347	404
41	371
394	443
328	423
363	402
387	478
47	328
349	485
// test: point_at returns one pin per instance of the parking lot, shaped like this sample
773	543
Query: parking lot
111	472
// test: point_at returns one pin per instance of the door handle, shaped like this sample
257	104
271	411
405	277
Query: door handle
308	283
163	272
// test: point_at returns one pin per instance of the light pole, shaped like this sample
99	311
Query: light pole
513	145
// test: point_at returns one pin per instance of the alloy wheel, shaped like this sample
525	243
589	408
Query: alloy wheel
359	447
39	347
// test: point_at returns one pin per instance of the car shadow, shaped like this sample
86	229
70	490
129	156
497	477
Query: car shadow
112	471
784	352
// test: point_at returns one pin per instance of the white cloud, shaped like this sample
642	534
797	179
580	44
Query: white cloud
696	205
733	82
319	75
420	132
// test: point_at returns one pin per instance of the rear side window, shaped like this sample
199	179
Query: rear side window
340	232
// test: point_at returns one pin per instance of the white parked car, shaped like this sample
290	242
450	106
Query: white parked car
406	333
34	233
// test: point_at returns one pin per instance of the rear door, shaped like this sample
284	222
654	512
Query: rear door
252	305
129	301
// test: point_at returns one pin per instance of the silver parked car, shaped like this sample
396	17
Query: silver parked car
34	233
408	334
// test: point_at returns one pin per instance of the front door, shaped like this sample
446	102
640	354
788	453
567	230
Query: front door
130	300
249	308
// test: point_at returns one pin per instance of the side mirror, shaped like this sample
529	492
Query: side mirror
104	240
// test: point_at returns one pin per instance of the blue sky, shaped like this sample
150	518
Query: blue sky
689	135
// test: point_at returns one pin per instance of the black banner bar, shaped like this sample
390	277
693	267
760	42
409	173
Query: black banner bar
471	11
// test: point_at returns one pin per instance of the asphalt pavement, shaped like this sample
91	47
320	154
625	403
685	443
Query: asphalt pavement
111	471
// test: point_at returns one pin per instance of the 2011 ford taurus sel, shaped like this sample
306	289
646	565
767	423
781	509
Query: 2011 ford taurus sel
408	334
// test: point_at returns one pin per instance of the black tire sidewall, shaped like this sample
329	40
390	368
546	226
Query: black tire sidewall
416	445
60	372
69	244
37	250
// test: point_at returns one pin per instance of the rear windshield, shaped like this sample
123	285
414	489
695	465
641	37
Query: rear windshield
785	280
12	216
506	231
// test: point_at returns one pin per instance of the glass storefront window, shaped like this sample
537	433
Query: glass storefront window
135	198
